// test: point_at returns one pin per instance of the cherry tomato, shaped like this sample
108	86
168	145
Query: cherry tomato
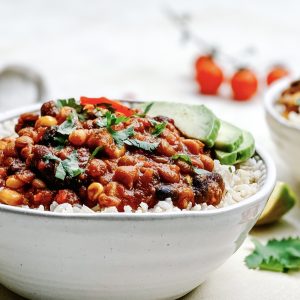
209	75
244	84
276	73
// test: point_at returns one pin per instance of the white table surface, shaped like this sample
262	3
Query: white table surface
126	49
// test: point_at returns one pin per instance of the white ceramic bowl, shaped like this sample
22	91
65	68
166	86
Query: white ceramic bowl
286	136
46	255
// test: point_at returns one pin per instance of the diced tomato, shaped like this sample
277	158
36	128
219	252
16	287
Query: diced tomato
104	101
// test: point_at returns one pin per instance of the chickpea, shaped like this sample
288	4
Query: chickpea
194	146
127	160
78	137
45	121
107	201
64	113
14	183
94	190
10	197
10	150
2	145
38	183
169	173
29	131
96	167
185	197
164	148
207	162
89	107
115	152
26	176
23	141
26	151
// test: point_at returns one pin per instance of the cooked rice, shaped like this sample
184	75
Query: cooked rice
241	182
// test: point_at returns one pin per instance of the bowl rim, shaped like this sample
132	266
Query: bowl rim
264	191
271	95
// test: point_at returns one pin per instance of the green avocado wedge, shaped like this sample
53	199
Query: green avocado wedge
280	202
242	153
194	121
229	138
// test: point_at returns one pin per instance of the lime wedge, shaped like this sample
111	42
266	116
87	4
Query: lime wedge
280	202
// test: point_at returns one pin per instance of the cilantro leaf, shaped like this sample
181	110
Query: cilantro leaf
69	125
141	144
159	128
110	120
183	157
147	108
277	255
101	122
68	166
69	102
96	151
82	115
122	135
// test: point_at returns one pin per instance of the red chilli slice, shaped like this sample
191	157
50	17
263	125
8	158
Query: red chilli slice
114	104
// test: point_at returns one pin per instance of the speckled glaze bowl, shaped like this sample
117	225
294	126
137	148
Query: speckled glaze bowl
46	255
285	134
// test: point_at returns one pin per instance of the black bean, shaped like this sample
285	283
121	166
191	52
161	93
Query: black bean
166	191
208	188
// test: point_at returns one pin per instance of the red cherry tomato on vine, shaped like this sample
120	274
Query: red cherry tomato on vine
209	75
244	84
276	73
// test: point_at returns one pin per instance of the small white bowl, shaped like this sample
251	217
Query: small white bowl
46	255
285	134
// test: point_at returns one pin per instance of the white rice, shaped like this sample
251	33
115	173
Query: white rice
241	182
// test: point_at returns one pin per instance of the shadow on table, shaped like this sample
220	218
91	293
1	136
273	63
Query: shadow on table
6	294
281	228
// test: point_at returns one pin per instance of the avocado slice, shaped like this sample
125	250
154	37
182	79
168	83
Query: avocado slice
229	137
280	202
194	121
242	153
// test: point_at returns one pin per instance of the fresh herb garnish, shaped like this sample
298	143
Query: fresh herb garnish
101	122
277	255
121	136
69	125
81	113
69	102
141	144
96	151
64	129
147	108
183	157
67	167
159	128
110	120
298	102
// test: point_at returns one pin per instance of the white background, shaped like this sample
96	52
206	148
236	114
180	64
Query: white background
129	49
